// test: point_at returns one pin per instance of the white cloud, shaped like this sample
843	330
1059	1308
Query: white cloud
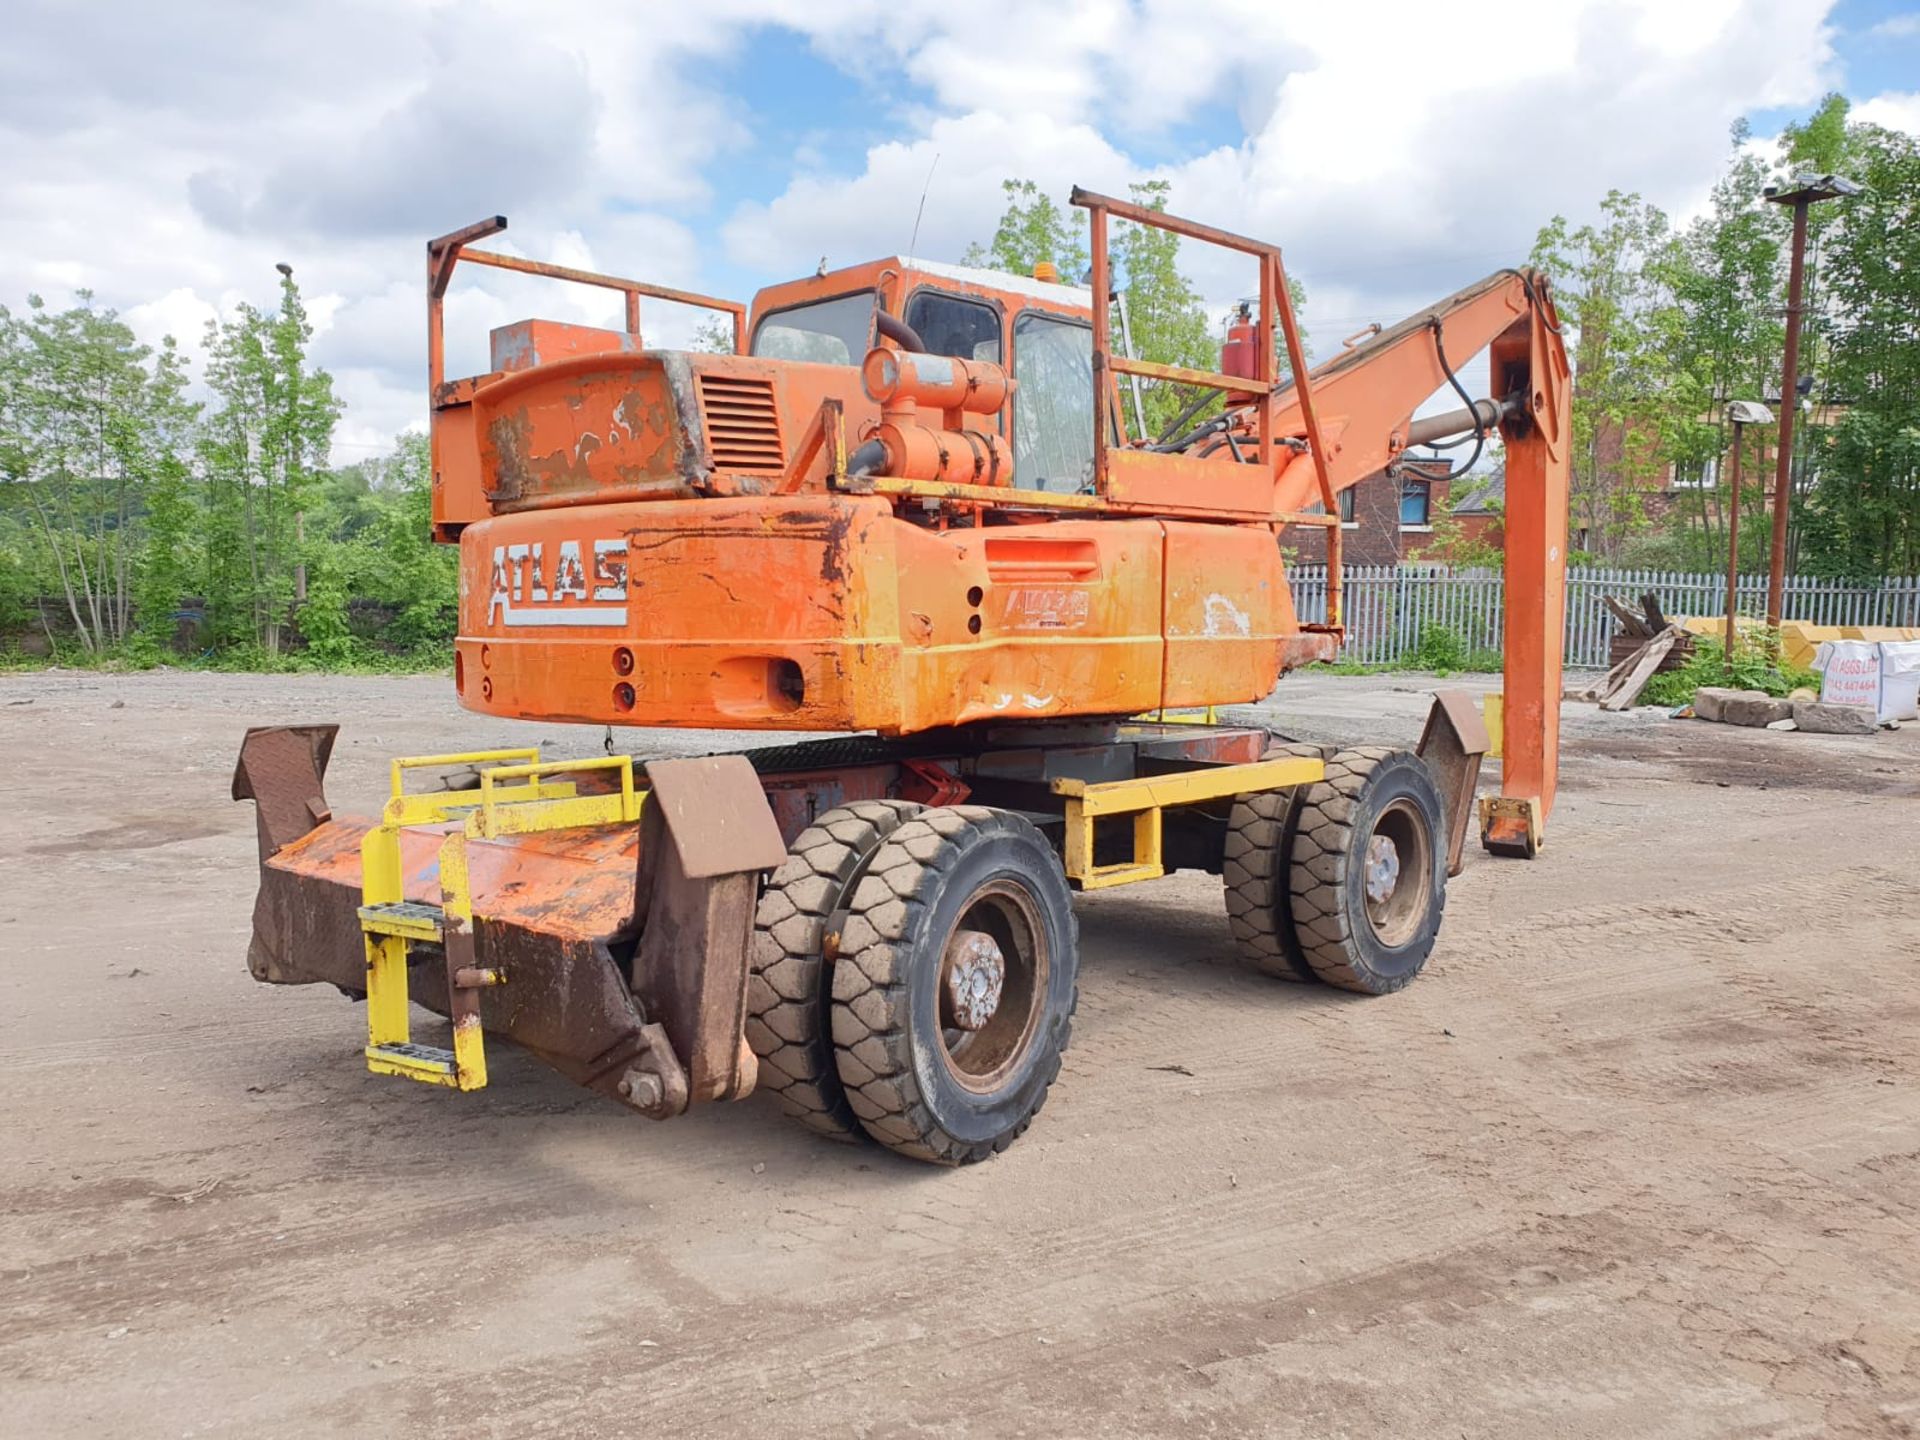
1897	27
166	157
861	217
1895	110
1384	181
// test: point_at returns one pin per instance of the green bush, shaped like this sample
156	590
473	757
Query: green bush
1440	648
1752	669
1445	650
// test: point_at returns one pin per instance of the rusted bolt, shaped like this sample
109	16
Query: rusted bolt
642	1090
972	974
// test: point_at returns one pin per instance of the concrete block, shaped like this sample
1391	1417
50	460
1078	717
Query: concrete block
1756	710
1710	701
1819	718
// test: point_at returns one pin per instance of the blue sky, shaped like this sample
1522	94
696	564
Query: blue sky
166	156
1872	61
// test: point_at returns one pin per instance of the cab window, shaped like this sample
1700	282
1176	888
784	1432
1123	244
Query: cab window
826	332
1053	406
964	329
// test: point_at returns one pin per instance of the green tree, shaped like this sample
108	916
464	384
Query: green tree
1720	341
1169	322
1032	231
169	561
269	430
1859	505
713	335
395	560
1166	314
1612	283
88	417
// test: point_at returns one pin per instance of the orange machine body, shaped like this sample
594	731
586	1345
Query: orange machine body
828	612
673	538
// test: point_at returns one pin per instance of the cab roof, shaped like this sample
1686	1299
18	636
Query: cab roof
895	275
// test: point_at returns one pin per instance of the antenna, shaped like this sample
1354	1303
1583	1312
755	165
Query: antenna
914	239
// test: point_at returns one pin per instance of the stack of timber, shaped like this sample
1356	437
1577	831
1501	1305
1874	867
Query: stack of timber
1645	644
1639	626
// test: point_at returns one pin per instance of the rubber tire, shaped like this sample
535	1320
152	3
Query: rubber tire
789	987
1254	873
885	986
1327	895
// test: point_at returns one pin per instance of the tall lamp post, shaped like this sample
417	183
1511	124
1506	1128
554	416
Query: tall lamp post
1800	192
1742	413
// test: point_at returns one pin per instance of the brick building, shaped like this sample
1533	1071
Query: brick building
1480	508
1383	520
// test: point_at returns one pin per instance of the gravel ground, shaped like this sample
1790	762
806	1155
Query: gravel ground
1638	1156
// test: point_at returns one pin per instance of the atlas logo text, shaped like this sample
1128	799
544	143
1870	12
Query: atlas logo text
526	592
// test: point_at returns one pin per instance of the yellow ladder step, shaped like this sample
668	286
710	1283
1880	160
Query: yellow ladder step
408	919
428	1064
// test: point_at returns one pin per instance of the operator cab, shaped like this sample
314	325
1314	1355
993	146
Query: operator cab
1039	331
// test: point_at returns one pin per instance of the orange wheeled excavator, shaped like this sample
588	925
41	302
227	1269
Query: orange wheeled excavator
907	510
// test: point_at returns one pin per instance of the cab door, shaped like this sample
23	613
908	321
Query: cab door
1053	404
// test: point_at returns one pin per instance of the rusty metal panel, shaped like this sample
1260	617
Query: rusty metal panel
282	769
1452	744
797	798
1207	744
706	834
690	972
527	343
717	814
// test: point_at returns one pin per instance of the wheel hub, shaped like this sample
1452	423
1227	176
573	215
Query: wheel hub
974	972
1383	869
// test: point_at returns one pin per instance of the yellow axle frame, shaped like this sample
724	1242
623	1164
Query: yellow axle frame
1146	799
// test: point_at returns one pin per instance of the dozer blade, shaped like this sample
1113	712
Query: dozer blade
629	979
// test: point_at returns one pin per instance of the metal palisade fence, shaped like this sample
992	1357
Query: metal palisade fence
1389	607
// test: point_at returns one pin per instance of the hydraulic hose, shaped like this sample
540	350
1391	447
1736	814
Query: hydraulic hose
1479	424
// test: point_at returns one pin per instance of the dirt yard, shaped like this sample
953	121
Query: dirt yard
1638	1156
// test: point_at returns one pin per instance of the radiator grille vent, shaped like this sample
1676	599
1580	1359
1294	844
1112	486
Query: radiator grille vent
742	423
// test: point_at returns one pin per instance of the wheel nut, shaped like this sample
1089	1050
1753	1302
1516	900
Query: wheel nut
973	972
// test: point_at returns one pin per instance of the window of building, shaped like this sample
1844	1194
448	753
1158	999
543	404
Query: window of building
1053	408
1416	504
1705	477
964	329
1345	500
826	332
